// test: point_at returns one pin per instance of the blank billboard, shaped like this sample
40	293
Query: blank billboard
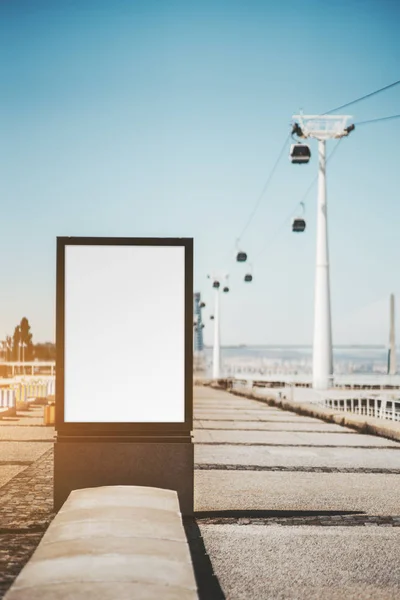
124	334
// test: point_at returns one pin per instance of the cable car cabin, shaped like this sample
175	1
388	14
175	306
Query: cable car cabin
216	284
202	305
298	225
241	257
212	317
248	277
300	153
226	289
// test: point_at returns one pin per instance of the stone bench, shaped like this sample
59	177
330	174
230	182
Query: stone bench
111	543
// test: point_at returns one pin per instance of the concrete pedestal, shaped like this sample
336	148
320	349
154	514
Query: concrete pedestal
82	464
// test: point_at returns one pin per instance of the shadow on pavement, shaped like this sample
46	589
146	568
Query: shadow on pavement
207	582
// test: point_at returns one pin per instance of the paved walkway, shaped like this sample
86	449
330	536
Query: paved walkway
287	507
26	489
290	507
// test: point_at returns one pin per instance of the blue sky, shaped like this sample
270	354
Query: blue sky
165	118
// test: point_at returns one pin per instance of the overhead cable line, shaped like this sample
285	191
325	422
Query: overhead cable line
284	223
291	135
256	206
377	120
278	231
265	187
362	98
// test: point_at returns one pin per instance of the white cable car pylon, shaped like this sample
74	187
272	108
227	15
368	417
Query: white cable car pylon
217	278
322	128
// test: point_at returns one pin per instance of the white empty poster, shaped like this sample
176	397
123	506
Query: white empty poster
124	353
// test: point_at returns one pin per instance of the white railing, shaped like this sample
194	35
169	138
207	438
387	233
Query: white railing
7	398
379	406
39	389
348	381
371	406
20	391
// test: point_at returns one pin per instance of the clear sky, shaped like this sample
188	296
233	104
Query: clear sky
165	118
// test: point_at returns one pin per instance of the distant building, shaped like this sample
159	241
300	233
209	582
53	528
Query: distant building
198	343
199	362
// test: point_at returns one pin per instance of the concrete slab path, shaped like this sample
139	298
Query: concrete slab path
290	507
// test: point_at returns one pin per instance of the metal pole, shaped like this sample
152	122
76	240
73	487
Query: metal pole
217	341
322	351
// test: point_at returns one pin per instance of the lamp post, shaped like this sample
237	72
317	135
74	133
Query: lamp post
322	128
4	350
9	348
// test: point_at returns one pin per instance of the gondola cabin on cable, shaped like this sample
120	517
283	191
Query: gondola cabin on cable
216	284
241	256
248	277
300	153
226	289
212	317
298	225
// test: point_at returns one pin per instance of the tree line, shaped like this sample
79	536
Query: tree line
20	346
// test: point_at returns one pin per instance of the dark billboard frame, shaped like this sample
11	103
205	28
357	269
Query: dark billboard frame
123	430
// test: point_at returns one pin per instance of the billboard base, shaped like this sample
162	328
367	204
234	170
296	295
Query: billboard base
93	462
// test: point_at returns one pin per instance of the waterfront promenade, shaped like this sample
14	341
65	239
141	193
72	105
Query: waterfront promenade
290	507
287	506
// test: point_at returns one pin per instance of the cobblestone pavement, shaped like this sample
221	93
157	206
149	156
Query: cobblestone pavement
26	510
15	551
26	501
